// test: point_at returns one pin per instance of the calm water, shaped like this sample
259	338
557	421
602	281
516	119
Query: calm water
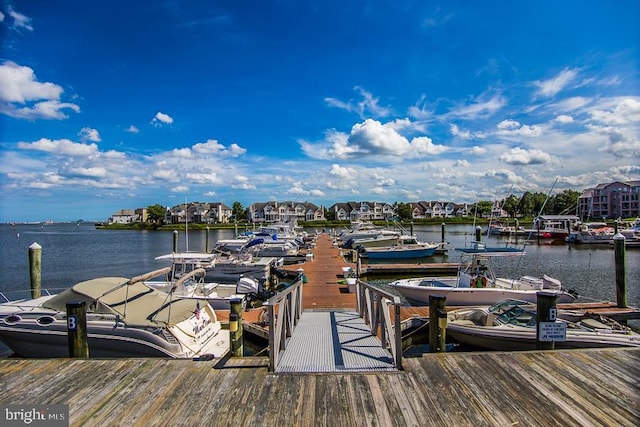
73	253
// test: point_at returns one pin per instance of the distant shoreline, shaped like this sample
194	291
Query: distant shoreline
304	224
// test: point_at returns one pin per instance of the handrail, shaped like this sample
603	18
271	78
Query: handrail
283	311
374	306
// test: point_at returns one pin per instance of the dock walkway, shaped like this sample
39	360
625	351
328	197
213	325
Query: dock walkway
551	388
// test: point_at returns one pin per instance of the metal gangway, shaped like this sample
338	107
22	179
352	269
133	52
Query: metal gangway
333	340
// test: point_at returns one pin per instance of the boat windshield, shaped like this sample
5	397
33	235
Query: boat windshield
514	312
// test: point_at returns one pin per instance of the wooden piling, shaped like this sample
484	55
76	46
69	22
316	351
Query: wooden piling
77	329
35	269
206	242
546	312
442	232
235	328
437	323
621	285
175	241
478	233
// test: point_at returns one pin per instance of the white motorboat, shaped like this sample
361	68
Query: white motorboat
224	268
477	284
406	247
511	325
591	233
218	295
125	318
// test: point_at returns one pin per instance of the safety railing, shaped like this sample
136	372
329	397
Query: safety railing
283	310
374	306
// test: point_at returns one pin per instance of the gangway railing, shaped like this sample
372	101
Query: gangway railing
374	306
283	310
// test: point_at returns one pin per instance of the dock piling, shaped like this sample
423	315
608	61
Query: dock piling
175	241
35	269
77	329
437	323
546	312
621	285
235	328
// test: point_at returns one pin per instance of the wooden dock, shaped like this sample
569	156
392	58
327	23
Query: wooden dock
537	388
552	388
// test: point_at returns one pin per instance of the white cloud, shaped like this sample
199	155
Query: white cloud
88	134
480	107
213	147
1	16
550	87
563	118
62	147
341	172
203	178
625	111
161	118
521	156
369	105
514	128
19	20
133	129
22	96
477	150
179	189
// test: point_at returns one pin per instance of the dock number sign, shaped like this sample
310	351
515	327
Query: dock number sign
552	331
72	323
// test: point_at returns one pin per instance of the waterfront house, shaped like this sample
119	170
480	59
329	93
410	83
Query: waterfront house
438	209
612	200
363	211
286	211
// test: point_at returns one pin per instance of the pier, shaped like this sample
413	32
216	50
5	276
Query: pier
559	387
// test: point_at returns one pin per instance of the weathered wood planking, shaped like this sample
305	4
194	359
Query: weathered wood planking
564	388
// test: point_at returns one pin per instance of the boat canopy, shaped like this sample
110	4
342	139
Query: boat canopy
136	303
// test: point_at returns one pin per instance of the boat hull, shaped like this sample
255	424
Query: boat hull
391	253
473	296
104	339
516	339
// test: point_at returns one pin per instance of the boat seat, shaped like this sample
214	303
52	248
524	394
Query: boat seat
490	319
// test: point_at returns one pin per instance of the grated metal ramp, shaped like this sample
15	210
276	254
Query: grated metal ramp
333	341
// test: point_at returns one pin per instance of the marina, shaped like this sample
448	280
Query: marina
534	387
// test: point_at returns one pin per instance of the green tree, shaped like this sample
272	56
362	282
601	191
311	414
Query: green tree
238	211
565	202
403	210
483	208
511	204
155	213
329	215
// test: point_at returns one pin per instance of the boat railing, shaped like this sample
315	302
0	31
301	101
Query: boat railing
284	311
20	294
375	306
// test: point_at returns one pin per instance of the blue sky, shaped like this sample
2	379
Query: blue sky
106	105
